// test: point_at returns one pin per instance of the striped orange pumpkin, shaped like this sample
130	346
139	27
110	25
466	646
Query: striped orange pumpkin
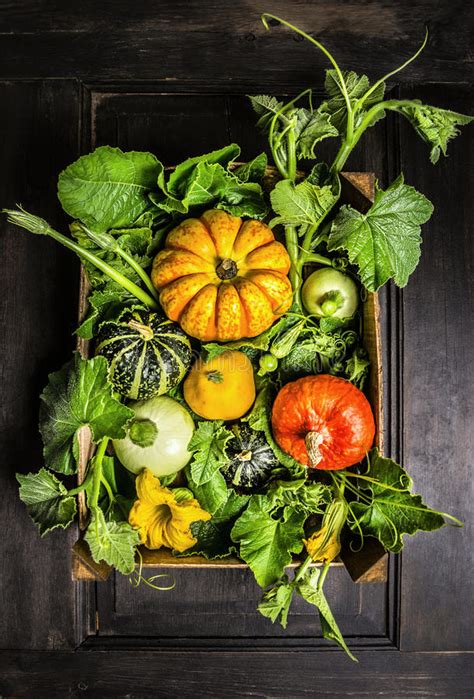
222	278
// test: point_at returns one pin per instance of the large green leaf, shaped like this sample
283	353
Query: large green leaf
385	242
79	394
303	204
388	514
208	444
108	188
112	542
266	543
47	500
435	126
212	494
309	590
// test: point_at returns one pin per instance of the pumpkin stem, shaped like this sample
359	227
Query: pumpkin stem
312	442
144	330
214	376
245	455
226	269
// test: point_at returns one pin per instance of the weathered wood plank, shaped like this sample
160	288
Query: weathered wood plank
38	300
437	380
225	43
213	673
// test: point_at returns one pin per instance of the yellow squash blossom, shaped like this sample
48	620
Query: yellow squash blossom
324	545
163	517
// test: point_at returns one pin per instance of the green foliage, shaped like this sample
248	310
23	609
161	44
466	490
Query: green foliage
435	126
276	602
267	542
205	182
213	536
356	86
387	509
212	494
77	395
310	589
208	444
302	205
112	542
385	242
47	500
254	170
108	188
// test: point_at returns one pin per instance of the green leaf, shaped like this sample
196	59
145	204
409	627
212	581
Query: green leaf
435	126
79	394
390	513
357	85
276	602
243	199
265	107
308	589
112	542
105	305
208	444
385	242
313	127
47	500
210	185
254	170
182	174
213	541
303	204
211	495
300	495
357	367
108	188
266	544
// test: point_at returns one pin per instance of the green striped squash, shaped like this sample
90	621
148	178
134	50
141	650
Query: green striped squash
147	354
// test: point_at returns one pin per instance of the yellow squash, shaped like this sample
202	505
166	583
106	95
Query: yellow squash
221	389
221	278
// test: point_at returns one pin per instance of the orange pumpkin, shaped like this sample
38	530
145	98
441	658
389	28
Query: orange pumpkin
323	422
221	278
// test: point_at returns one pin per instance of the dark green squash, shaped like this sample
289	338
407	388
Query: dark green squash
147	354
251	460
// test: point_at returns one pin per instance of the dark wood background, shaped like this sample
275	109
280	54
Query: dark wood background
171	77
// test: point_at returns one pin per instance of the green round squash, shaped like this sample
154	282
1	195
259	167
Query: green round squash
147	354
251	460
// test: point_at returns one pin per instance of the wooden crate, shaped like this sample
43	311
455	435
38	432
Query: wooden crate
367	565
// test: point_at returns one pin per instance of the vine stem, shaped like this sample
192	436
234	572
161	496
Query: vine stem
39	226
80	488
97	469
302	569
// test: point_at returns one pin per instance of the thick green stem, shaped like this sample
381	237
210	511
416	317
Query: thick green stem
300	573
291	240
322	576
97	471
291	154
80	488
37	225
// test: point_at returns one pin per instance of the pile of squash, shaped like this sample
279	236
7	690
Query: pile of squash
222	279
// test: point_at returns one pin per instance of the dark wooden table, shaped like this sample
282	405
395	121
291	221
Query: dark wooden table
171	77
